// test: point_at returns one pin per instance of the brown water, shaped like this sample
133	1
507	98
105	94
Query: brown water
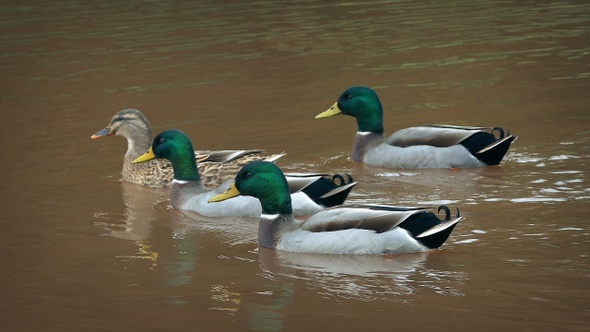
82	251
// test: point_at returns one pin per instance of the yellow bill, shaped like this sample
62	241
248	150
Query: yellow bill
334	110
230	192
145	157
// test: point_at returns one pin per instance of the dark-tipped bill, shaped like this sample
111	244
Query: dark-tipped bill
103	133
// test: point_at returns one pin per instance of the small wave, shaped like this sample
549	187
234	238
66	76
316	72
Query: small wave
537	199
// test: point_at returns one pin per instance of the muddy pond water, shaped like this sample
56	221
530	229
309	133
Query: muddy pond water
83	251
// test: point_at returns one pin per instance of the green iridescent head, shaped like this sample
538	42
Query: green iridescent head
361	103
265	181
175	146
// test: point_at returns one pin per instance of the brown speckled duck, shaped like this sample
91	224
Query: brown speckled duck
215	167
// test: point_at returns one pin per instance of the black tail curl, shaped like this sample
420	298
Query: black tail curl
500	131
339	180
448	212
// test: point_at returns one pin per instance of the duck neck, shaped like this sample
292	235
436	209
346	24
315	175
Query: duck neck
363	142
182	191
139	140
370	119
184	165
277	213
277	199
270	228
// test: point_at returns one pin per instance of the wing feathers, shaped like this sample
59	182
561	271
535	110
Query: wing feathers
225	156
300	181
356	217
437	135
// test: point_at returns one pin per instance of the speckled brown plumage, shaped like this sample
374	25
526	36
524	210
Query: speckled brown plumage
214	166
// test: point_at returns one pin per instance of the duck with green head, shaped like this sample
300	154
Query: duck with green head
215	167
360	229
429	146
310	192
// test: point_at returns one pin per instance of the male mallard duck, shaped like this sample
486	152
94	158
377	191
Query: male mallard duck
311	193
430	146
215	166
340	230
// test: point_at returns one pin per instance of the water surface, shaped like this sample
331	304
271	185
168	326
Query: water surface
83	251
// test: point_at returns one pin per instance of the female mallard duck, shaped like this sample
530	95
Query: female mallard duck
311	193
215	166
340	230
431	146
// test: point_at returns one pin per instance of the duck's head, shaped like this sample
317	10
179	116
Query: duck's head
265	181
129	123
175	146
362	103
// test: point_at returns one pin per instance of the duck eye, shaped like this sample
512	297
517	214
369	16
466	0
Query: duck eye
349	96
162	140
248	175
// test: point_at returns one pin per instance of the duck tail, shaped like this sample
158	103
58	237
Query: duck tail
495	152
336	196
436	235
488	147
323	189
